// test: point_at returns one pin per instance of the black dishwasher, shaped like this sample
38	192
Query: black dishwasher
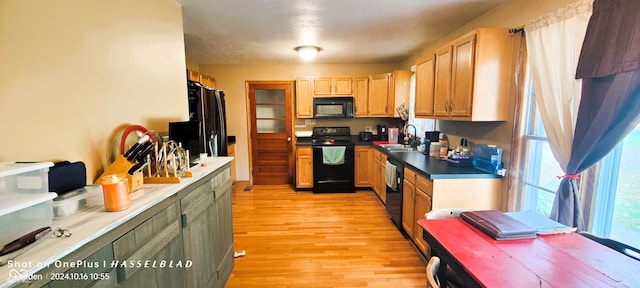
394	176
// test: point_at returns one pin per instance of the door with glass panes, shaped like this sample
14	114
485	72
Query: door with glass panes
271	113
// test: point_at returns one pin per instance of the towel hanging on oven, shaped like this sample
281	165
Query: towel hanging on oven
333	155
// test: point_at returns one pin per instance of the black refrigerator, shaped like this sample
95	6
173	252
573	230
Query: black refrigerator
206	130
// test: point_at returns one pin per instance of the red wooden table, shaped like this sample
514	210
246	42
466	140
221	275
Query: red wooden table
562	260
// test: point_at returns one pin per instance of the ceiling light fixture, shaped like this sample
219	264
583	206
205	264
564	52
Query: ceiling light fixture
307	53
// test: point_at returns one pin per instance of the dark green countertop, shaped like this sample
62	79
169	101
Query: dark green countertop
434	168
423	164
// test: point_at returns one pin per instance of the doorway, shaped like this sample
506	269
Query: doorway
270	105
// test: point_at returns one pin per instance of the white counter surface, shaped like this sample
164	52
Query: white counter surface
91	223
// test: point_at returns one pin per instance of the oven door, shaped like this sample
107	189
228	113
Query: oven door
333	177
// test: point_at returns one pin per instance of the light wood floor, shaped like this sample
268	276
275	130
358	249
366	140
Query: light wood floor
301	239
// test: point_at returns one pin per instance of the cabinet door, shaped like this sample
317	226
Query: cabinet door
193	75
157	239
375	171
223	254
304	167
322	86
408	207
383	185
342	86
462	77
304	98
362	171
103	259
399	89
231	152
425	80
378	95
207	81
442	88
361	95
422	206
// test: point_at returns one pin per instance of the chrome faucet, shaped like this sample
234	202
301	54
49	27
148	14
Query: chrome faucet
415	132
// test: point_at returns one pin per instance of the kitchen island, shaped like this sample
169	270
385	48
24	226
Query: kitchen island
172	235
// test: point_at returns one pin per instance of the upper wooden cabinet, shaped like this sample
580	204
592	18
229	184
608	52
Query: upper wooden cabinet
193	75
360	96
378	95
399	89
336	86
388	91
304	97
205	80
425	80
472	77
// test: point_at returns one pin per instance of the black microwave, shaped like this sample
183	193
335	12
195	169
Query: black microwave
333	107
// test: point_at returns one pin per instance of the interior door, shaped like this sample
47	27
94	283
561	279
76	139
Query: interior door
271	113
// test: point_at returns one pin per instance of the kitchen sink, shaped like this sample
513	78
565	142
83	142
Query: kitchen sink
397	147
401	149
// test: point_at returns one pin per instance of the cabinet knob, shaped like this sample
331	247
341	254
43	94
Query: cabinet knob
288	139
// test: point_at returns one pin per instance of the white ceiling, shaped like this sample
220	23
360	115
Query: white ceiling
349	31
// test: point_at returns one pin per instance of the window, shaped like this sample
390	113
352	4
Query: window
616	189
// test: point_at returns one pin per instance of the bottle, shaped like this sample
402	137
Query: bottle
444	148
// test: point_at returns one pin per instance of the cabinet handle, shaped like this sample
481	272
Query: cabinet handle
183	220
451	105
446	105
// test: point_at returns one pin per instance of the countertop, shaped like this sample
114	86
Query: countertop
423	164
91	223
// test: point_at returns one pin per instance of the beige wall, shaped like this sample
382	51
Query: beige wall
74	71
232	78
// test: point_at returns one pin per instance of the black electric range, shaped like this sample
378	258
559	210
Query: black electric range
333	160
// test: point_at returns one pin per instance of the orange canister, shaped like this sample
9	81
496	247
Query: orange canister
115	190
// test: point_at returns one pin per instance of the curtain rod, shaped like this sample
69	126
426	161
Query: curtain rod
516	30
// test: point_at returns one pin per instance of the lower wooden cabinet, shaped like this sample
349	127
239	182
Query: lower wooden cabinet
363	158
304	167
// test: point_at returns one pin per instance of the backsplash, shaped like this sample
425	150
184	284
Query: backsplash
355	124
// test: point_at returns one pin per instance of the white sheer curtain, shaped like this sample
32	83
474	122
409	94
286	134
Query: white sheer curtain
553	44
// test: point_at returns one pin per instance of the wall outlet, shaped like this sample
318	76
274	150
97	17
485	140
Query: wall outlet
301	126
310	122
368	129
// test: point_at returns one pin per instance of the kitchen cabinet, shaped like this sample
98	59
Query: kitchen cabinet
378	95
388	91
408	202
193	75
207	230
304	167
304	97
378	167
472	77
224	253
193	224
416	201
97	275
231	152
363	163
207	81
383	184
360	96
423	193
399	89
425	81
156	239
335	86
